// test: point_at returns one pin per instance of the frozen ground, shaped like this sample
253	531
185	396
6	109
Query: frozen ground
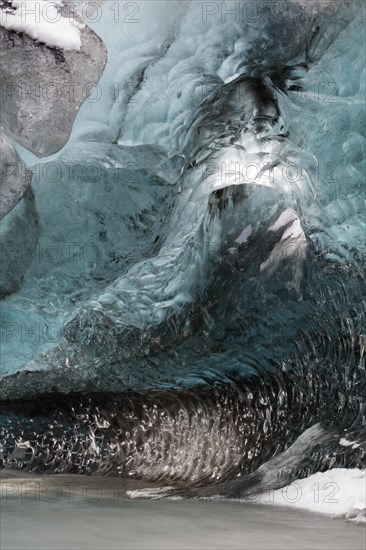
75	512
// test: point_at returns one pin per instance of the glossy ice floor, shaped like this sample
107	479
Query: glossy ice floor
73	512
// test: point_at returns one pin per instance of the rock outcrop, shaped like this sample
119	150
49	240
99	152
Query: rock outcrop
42	88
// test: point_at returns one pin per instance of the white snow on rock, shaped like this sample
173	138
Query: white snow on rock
42	21
337	492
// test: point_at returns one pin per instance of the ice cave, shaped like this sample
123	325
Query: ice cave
182	281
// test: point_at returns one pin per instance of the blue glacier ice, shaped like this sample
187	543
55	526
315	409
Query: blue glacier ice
187	297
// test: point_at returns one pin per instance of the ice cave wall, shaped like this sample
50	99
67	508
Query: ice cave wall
153	83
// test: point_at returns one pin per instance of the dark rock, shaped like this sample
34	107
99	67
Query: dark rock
42	88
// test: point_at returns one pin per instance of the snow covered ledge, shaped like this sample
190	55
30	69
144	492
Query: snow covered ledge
50	62
339	492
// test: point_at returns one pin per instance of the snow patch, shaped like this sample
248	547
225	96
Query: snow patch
337	492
